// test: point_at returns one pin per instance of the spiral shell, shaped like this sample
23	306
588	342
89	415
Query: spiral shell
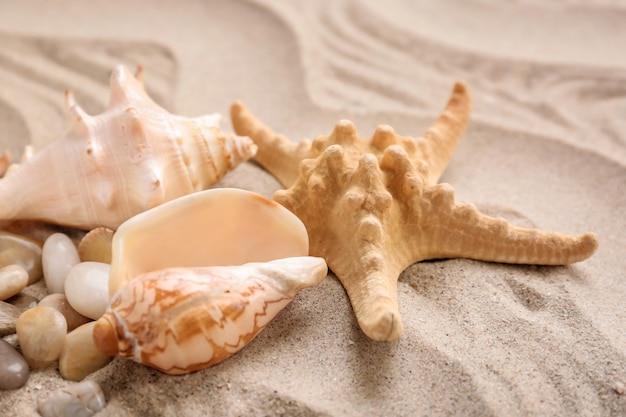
130	158
180	320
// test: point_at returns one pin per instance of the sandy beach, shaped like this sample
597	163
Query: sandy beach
545	148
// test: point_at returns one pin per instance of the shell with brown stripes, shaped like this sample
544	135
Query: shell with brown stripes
181	320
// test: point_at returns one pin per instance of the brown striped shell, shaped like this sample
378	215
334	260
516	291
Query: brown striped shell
181	320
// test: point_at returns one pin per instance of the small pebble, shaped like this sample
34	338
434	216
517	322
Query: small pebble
23	301
41	332
59	302
13	368
13	279
80	400
59	255
87	288
79	356
23	251
8	318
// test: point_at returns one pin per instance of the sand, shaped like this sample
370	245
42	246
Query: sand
546	147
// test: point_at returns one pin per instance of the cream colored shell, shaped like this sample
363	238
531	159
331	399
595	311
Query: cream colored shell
130	158
223	226
180	320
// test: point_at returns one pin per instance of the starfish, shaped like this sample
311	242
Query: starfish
373	207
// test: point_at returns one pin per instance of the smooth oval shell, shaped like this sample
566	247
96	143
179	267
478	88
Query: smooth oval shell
225	226
87	288
59	255
41	332
79	356
13	279
13	367
24	251
180	320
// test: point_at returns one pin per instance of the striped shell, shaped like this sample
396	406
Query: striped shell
130	158
181	320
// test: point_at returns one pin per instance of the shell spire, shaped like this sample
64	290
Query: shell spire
77	118
109	167
181	320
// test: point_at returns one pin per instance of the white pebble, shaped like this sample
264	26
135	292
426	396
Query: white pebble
59	255
80	400
87	288
13	279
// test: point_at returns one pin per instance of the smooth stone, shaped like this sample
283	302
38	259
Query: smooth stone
80	400
23	251
13	279
59	255
87	288
79	356
41	332
59	302
8	318
13	367
23	301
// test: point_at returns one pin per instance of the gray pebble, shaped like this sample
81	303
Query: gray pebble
13	367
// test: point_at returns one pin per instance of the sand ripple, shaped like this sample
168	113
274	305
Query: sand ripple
546	148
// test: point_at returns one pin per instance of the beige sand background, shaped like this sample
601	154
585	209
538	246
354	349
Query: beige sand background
546	148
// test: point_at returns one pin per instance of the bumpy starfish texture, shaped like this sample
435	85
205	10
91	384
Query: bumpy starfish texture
373	207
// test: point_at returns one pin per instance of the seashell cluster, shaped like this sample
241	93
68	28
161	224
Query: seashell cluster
193	280
180	320
130	158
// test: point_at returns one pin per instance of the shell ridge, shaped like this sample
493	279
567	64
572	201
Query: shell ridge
116	164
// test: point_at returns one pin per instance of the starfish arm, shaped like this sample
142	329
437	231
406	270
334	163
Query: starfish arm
372	288
461	231
276	153
440	141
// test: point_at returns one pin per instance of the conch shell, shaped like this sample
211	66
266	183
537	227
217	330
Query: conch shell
223	226
130	158
181	320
